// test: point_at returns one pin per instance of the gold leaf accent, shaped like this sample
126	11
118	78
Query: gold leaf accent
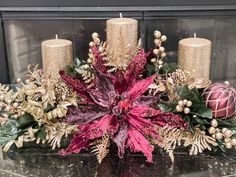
176	79
56	131
3	120
36	112
46	98
100	147
199	141
8	99
139	46
28	136
86	73
58	112
45	90
170	138
173	137
156	87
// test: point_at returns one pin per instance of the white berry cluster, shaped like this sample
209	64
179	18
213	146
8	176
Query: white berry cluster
159	50
223	133
183	106
96	42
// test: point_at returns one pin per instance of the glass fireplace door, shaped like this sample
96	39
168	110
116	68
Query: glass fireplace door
221	31
24	37
24	34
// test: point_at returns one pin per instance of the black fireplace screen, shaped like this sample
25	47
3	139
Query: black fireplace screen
25	30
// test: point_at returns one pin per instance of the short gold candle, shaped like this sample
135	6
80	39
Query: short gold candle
122	39
195	57
56	54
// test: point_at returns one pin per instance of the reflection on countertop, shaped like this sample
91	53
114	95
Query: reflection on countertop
38	163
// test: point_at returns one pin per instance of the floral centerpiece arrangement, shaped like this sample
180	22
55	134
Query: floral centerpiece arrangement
94	104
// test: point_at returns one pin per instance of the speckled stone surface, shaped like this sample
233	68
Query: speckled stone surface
37	163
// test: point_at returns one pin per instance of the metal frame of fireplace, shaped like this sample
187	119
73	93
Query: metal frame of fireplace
104	9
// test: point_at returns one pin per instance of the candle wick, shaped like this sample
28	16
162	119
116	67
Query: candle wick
121	16
56	36
195	35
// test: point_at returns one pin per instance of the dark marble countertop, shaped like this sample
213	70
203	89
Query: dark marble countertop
37	163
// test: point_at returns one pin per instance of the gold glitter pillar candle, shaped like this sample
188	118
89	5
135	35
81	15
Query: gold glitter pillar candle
195	56
122	39
56	54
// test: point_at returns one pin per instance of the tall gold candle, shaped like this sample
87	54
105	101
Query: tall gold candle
122	39
56	54
195	57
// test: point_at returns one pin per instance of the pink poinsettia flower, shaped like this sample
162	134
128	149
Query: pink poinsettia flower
117	105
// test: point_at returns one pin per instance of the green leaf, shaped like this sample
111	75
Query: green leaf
203	127
198	93
25	121
227	123
198	107
192	95
8	131
77	61
221	146
166	107
49	108
187	119
168	68
201	121
41	133
71	71
150	68
201	110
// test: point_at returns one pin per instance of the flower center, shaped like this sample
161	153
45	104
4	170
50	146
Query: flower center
123	105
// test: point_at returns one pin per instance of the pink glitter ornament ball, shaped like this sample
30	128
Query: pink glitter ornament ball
221	98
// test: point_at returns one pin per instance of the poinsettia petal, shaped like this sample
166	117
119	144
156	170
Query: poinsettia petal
98	62
146	100
119	81
150	54
135	68
140	87
138	143
142	124
103	92
170	119
91	131
97	128
76	85
120	139
144	111
77	144
84	115
138	122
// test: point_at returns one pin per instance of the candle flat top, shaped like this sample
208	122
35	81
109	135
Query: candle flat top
56	42
122	21
195	41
